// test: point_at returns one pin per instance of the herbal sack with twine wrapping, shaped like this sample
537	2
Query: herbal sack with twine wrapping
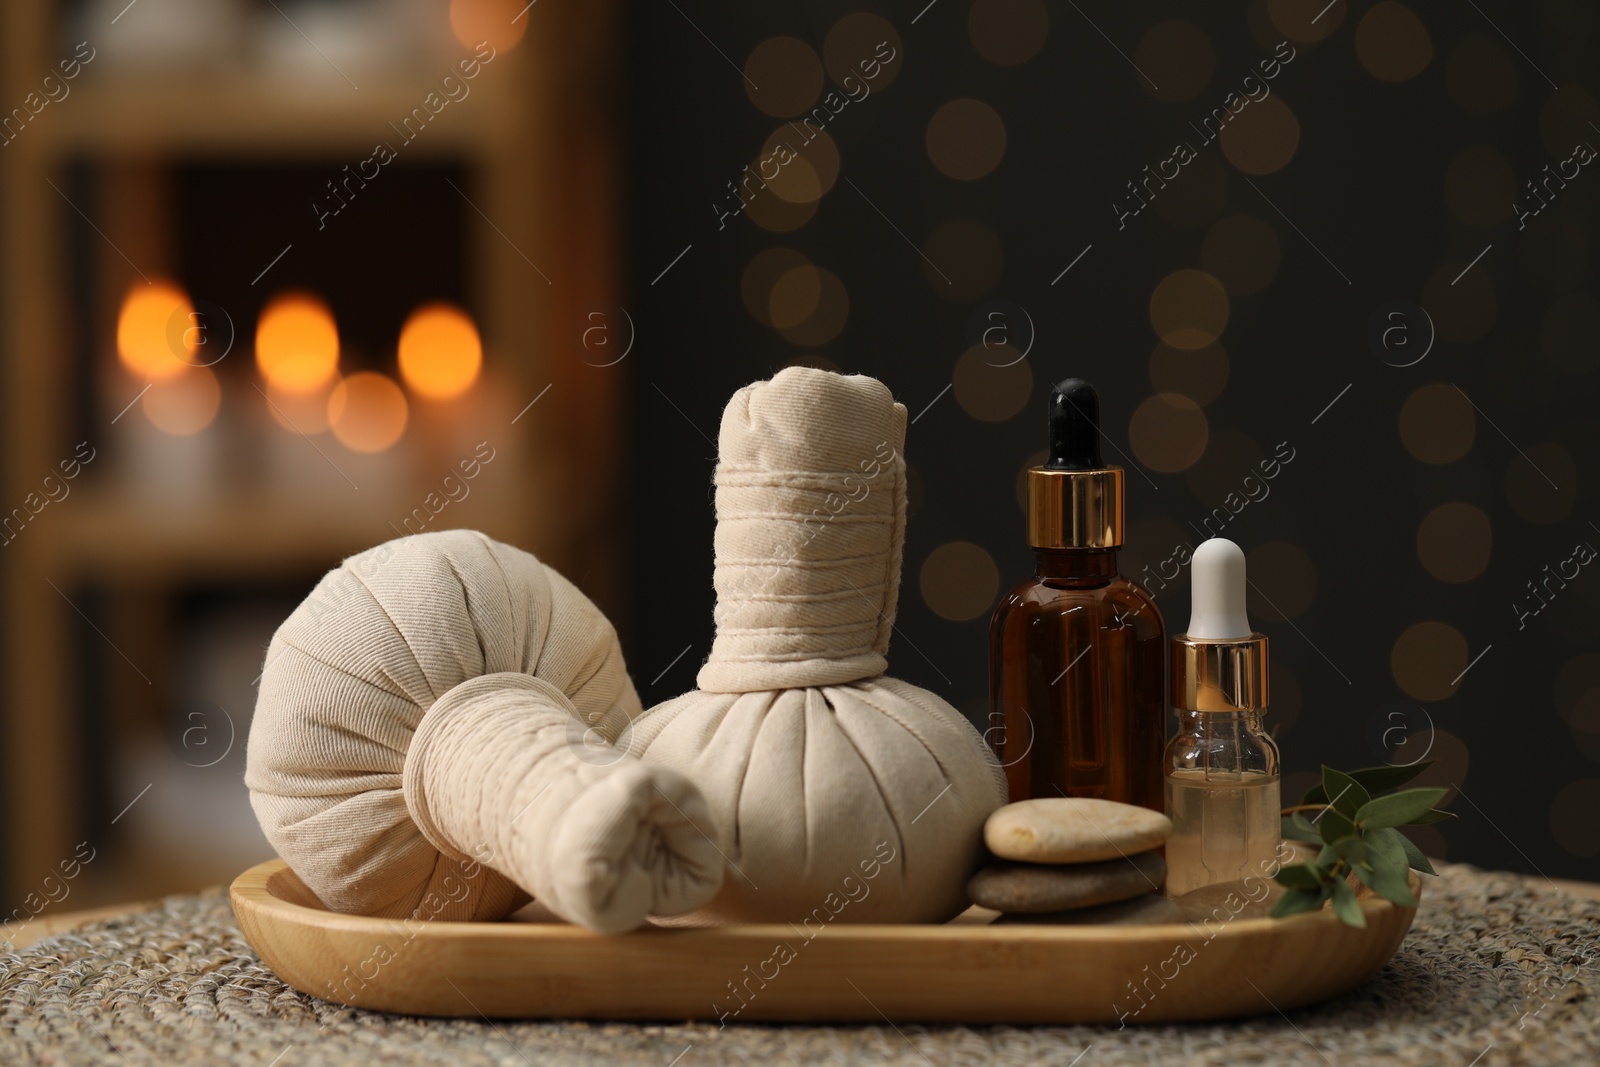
840	795
433	740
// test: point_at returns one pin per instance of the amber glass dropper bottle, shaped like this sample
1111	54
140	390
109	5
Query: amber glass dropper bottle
1077	654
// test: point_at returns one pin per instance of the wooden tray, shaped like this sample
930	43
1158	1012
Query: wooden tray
966	971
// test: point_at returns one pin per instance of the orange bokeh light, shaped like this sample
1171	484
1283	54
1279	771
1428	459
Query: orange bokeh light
297	343
185	403
367	412
152	328
440	353
499	22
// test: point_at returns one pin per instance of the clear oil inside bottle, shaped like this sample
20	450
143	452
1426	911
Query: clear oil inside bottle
1222	794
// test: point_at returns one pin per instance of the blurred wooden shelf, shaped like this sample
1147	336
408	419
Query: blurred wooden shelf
537	141
255	114
122	536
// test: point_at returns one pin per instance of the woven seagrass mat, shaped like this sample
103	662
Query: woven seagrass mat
1495	971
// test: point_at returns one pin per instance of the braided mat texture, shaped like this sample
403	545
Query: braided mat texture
1494	972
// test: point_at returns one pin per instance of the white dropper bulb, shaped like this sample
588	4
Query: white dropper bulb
1217	580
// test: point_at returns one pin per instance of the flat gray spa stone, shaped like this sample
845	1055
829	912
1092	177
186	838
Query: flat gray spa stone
1031	888
1140	911
1073	830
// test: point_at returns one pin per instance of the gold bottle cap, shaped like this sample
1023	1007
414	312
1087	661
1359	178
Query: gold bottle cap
1075	508
1213	675
1075	499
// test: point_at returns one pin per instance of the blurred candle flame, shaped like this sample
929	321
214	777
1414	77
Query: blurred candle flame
440	352
297	343
147	343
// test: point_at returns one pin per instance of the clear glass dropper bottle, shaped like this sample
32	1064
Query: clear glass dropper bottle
1222	788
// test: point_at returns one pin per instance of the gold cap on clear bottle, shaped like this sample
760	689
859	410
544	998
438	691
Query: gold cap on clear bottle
1074	499
1221	663
1209	675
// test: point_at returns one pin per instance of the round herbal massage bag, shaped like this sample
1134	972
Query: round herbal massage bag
432	739
839	794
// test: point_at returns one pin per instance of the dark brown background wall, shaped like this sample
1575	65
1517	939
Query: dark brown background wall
1343	277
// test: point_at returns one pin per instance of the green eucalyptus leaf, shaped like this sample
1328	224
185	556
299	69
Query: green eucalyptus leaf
1299	876
1414	856
1396	809
1386	872
1297	901
1346	906
1374	780
1430	816
1351	849
1297	829
1344	792
1333	825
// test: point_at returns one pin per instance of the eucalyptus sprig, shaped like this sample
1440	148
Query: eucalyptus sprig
1356	829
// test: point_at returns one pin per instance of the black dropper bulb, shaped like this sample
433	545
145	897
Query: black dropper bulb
1074	415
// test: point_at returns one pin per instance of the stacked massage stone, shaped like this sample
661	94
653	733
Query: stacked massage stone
1075	861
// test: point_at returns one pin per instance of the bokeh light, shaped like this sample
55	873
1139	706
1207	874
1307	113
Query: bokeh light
1572	820
297	343
1284	580
1450	759
1454	541
1178	56
794	296
1481	76
761	275
1303	22
992	384
144	344
185	403
828	314
1392	43
964	259
1168	432
1008	32
779	215
1242	253
494	21
1576	689
440	353
863	44
959	581
796	181
1263	137
299	412
1438	424
783	76
367	412
1188	309
1427	658
966	139
1198	373
811	147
